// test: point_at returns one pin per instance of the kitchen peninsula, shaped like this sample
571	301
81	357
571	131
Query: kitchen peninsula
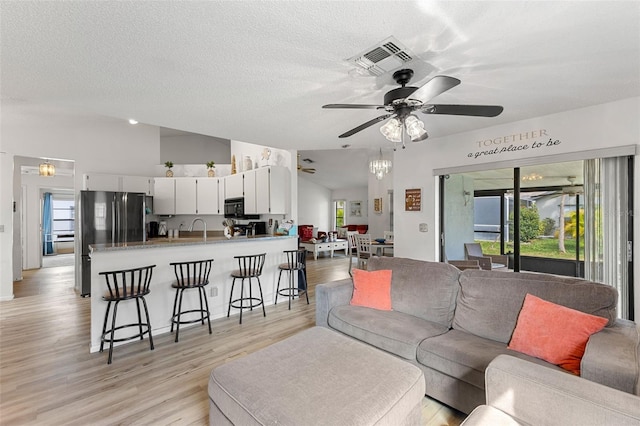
162	252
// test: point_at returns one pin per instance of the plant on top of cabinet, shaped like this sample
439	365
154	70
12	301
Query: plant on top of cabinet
169	165
211	165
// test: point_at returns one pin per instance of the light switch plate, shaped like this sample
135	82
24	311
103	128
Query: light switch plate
424	227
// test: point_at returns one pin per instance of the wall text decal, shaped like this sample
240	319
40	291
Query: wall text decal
524	141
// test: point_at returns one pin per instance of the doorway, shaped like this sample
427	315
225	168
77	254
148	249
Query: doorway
547	218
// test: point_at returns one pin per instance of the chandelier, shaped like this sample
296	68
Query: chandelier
393	130
47	169
380	167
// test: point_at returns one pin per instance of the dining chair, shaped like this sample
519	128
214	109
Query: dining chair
352	249
473	251
363	245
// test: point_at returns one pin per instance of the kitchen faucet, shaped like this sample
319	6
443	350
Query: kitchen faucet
203	222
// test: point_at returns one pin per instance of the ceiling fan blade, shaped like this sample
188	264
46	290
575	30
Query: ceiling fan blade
311	171
353	106
432	88
473	110
365	125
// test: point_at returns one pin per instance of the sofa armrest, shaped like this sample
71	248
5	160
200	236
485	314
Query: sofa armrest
329	295
535	394
612	357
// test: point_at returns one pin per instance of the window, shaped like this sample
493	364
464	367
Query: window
340	207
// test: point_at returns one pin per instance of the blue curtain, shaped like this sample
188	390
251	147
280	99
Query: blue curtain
47	225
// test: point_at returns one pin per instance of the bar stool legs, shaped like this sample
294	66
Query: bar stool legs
296	263
191	275
129	284
248	267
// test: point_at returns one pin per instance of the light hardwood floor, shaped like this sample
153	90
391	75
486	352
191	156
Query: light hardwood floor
48	376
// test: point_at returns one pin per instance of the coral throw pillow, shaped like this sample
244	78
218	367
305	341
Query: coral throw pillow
554	333
372	289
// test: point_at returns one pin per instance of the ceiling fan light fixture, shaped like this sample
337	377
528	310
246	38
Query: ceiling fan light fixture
392	130
380	167
415	128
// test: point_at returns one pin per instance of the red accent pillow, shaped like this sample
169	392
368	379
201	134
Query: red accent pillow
372	289
554	333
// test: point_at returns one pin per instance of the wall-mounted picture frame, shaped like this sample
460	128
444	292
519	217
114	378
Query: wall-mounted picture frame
377	205
355	208
413	200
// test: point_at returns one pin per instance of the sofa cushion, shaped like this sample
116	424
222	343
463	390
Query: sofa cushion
422	289
465	356
394	332
554	332
489	302
372	289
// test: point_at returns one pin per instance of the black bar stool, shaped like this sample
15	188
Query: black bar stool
248	267
128	284
296	263
189	275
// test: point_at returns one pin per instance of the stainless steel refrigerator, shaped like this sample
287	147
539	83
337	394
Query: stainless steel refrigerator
109	218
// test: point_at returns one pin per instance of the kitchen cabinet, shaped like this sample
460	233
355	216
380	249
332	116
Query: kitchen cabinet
186	202
137	184
117	183
250	206
272	186
208	196
164	199
101	182
234	186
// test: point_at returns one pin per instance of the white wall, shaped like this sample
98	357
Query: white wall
314	205
96	144
602	126
194	149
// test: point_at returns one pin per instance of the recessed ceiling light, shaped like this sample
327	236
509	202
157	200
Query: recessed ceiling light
132	121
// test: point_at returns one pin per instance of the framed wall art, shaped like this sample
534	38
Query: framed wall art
377	205
413	200
355	208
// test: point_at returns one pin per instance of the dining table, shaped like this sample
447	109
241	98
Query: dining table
380	246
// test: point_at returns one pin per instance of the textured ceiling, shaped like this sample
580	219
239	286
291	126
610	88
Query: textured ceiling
260	71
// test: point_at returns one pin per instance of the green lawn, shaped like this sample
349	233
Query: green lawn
545	247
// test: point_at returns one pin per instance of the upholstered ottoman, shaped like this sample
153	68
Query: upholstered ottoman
316	377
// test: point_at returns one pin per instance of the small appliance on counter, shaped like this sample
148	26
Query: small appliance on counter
162	229
258	228
153	229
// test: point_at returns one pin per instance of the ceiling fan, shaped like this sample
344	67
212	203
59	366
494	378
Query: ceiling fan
305	169
400	103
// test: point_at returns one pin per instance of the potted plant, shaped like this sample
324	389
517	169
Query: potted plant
211	165
169	165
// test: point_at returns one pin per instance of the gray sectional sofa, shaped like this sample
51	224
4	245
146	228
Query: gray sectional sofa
452	324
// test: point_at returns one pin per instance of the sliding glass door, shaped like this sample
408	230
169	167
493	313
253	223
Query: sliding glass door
570	218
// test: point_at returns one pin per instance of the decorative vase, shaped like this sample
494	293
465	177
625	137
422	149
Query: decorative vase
211	173
169	173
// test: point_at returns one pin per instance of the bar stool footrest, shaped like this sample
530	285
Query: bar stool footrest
125	339
253	303
174	319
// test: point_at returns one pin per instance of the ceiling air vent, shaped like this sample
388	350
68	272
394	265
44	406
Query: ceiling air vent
386	56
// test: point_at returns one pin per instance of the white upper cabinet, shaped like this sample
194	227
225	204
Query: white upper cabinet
233	186
208	196
103	182
137	184
164	199
100	182
272	186
186	202
250	206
